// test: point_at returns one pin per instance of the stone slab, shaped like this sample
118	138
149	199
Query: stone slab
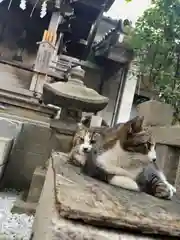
156	113
49	225
100	204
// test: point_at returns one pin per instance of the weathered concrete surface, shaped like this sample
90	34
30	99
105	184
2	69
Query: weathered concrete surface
168	135
46	209
31	149
36	185
62	142
48	225
63	134
155	113
21	207
168	160
104	205
177	180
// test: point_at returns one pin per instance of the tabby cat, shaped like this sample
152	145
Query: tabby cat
123	156
152	181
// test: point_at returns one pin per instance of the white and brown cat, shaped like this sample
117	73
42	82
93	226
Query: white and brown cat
117	155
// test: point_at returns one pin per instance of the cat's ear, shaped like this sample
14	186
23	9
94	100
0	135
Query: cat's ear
86	121
136	125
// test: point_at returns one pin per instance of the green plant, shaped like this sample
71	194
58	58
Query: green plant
156	41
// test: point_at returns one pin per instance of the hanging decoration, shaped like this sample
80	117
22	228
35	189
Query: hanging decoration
22	4
43	9
9	5
34	7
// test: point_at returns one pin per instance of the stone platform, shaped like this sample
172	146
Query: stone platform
69	196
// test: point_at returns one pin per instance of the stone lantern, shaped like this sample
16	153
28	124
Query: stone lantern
73	97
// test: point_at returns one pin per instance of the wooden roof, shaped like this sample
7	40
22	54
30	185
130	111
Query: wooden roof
89	2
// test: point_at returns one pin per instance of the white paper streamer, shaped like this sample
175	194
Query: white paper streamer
37	1
22	4
43	9
9	5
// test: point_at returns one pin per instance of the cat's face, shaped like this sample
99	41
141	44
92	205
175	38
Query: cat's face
85	139
136	141
139	140
141	143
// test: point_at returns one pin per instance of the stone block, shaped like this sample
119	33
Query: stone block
32	148
62	142
162	153
63	127
155	113
36	185
168	135
34	138
21	207
49	225
168	159
20	169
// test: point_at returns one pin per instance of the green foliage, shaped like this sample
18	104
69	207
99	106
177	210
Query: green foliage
156	40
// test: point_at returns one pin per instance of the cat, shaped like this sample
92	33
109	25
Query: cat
118	155
122	152
83	142
153	182
150	180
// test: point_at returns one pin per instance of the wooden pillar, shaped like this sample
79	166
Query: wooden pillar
45	53
127	95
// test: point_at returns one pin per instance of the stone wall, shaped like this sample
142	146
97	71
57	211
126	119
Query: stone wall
158	116
31	149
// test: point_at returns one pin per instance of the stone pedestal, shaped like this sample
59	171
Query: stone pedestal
85	200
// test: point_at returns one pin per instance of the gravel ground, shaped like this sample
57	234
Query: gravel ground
13	226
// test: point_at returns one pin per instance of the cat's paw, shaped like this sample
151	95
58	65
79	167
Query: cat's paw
172	189
164	190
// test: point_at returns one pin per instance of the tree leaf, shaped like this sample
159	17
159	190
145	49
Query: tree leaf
156	42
